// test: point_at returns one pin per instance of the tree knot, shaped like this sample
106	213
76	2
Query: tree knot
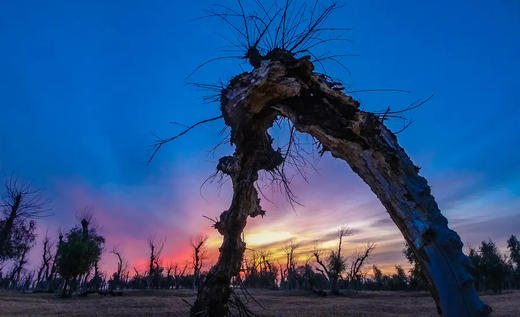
228	165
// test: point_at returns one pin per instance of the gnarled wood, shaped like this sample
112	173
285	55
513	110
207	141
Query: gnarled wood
284	86
253	153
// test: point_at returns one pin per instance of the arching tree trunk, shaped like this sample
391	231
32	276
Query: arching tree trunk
377	158
289	87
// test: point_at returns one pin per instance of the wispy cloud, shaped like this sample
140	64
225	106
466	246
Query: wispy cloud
170	206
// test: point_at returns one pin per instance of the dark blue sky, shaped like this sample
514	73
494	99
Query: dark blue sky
84	86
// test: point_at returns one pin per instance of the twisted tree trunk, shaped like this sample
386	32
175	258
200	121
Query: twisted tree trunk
285	86
253	153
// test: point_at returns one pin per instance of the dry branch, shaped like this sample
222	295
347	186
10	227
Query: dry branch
157	146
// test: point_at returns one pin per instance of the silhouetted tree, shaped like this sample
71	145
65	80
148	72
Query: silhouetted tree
514	254
98	280
477	269
154	267
198	257
355	275
169	280
399	280
20	203
22	240
514	250
258	270
77	254
54	267
290	273
378	277
45	266
490	268
138	281
494	265
179	274
335	264
417	278
117	277
310	280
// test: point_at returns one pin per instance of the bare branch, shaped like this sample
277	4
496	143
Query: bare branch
160	143
20	200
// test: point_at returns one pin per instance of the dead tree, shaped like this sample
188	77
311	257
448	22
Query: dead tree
287	86
290	263
45	266
283	272
284	84
98	280
154	267
178	274
121	268
54	269
357	263
335	265
19	203
170	274
198	257
18	267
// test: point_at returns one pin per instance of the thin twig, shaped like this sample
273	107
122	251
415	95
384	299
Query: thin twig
160	143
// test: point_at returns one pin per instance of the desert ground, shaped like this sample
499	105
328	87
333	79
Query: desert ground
275	303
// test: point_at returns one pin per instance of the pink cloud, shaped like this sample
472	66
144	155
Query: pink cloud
171	207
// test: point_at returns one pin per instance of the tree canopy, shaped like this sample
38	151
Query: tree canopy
78	252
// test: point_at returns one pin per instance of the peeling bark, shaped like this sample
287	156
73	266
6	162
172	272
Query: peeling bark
285	86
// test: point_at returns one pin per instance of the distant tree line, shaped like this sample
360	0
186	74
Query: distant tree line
65	265
491	270
160	275
70	264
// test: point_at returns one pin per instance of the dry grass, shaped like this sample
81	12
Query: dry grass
276	303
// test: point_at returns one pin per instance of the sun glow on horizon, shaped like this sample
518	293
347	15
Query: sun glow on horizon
263	237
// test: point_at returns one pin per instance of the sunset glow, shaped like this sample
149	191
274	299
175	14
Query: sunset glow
82	105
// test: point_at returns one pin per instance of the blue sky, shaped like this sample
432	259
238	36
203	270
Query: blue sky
85	86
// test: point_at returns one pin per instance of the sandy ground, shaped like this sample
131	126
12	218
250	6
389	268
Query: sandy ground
276	303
